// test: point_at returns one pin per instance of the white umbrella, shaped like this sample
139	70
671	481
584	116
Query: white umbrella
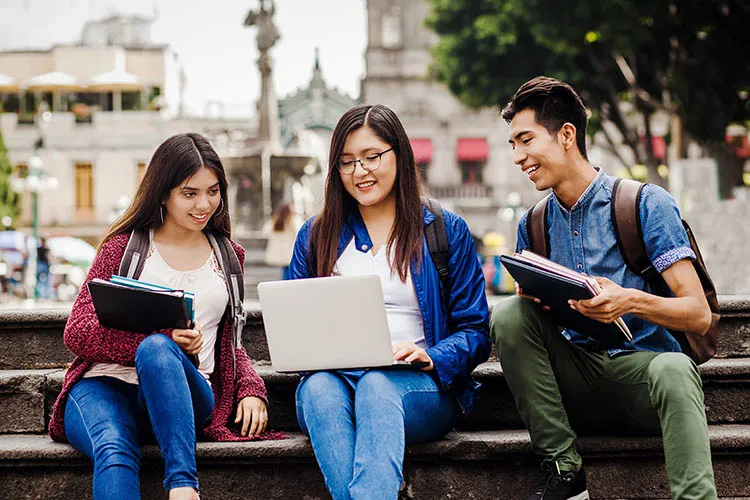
54	81
115	80
8	84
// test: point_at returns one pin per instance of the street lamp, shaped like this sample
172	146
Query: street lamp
37	179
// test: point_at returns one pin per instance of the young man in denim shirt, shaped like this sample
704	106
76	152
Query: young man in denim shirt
567	381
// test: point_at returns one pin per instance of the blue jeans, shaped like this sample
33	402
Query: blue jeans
359	423
108	419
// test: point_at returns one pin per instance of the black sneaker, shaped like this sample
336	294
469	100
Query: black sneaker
565	485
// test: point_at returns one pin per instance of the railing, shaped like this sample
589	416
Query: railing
471	191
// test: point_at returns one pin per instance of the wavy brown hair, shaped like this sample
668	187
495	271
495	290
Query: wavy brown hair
405	239
174	161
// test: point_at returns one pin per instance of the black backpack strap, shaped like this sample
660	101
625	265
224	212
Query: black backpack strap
537	228
136	253
626	219
437	241
230	265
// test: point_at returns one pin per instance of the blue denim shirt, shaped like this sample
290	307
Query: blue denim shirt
583	238
456	330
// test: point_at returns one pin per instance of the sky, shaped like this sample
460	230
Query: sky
218	53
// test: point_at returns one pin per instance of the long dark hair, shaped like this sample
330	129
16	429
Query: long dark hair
175	160
408	229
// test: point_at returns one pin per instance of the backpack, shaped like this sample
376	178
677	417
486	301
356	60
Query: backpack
626	197
135	256
437	241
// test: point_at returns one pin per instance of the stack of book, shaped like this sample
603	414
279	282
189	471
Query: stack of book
140	307
554	284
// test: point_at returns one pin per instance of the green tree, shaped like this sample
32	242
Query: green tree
8	197
629	59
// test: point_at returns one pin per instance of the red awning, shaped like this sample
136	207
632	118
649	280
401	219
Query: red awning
422	150
741	145
472	149
659	145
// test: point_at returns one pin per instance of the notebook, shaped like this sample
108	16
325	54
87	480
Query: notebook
327	323
554	285
140	307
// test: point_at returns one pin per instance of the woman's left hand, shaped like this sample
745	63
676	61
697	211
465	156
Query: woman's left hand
409	351
252	412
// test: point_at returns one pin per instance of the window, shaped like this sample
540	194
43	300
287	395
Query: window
140	173
472	172
84	174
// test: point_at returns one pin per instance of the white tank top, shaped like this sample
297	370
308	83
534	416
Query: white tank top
401	305
211	298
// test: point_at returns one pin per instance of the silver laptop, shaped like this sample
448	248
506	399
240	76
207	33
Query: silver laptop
327	323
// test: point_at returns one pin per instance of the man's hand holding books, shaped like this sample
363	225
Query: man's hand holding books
610	304
603	300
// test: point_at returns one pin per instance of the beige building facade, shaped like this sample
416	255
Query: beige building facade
463	153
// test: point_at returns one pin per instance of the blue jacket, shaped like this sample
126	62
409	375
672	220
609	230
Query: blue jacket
457	332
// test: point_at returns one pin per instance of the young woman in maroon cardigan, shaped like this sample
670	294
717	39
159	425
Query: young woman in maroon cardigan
124	389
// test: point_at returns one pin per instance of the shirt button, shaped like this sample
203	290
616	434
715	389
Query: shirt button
580	266
364	248
575	233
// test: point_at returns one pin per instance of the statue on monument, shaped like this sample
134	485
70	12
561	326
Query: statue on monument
268	33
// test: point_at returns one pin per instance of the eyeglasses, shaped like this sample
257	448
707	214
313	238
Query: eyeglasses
369	163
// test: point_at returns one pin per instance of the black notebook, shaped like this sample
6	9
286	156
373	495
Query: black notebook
554	290
138	310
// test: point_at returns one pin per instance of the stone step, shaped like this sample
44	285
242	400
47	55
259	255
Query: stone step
33	339
475	465
26	397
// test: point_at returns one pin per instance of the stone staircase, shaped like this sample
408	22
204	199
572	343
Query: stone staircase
487	456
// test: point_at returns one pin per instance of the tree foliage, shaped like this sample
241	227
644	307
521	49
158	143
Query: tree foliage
8	198
629	59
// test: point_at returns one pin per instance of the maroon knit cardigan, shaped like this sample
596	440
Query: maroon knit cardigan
93	343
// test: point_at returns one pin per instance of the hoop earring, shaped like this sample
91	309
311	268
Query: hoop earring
161	213
219	210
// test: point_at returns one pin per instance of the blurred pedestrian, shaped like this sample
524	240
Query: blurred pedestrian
281	236
44	287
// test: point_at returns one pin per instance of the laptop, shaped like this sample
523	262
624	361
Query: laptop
327	323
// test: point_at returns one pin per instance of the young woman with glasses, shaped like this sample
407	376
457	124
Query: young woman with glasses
372	222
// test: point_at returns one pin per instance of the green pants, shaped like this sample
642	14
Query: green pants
560	388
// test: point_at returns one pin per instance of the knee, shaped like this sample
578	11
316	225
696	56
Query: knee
154	350
114	447
673	374
319	390
507	321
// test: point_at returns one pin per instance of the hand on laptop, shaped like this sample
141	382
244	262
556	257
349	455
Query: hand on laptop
520	293
190	341
409	351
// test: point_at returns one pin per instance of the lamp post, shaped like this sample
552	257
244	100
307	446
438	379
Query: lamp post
37	179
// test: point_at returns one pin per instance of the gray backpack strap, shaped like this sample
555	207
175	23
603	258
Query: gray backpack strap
230	264
136	252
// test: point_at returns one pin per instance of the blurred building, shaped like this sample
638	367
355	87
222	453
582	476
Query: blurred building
463	154
108	112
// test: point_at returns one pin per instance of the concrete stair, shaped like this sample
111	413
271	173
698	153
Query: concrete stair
488	456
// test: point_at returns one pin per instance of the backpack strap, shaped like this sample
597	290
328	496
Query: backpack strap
537	228
437	241
626	219
136	252
230	264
